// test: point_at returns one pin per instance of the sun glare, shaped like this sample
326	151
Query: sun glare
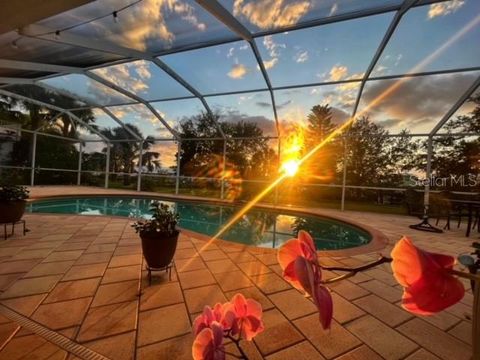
290	167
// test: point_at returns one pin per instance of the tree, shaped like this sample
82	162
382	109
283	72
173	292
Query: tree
124	154
322	166
250	155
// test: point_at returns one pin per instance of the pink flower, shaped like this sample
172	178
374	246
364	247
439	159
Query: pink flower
299	262
248	317
208	344
209	315
428	285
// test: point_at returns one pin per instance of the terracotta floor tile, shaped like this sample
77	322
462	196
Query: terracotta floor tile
348	290
186	254
74	245
116	293
221	266
31	286
443	320
32	254
422	354
462	331
361	353
25	305
242	256
63	255
31	347
69	290
234	280
253	293
389	293
191	264
62	314
7	280
390	314
97	248
254	268
108	320
344	310
121	274
160	295
179	348
54	268
213	255
163	323
195	278
278	334
197	298
293	304
384	340
436	341
117	347
94	258
128	250
125	260
6	331
330	343
77	272
19	266
301	351
270	283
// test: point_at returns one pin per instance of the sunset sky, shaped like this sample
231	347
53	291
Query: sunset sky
332	52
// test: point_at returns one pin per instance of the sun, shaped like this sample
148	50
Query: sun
290	167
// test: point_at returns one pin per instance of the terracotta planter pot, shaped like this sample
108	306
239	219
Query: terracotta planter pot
158	250
12	211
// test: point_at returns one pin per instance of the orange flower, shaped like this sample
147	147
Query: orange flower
208	344
298	259
209	315
248	317
429	287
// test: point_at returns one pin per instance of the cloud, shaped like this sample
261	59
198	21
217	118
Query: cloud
238	71
338	72
333	9
301	56
267	14
263	104
445	8
129	76
419	102
234	116
272	47
147	20
270	63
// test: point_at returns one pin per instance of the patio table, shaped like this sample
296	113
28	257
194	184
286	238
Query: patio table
470	205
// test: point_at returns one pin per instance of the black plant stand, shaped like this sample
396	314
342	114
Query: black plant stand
167	269
5	235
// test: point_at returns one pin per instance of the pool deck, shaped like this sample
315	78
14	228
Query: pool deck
81	276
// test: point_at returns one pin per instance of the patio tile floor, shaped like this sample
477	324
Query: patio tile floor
82	276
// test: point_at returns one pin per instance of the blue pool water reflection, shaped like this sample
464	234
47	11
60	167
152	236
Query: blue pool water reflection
259	227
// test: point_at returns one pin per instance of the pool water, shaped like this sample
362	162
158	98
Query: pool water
258	227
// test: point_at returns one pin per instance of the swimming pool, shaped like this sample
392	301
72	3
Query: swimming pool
259	227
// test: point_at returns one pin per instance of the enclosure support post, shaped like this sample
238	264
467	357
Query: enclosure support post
224	168
34	155
139	170
344	177
107	166
177	179
79	172
428	174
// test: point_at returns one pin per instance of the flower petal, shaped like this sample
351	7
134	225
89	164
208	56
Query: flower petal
433	294
324	302
288	252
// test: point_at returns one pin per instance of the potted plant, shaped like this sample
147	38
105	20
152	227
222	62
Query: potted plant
159	237
12	203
